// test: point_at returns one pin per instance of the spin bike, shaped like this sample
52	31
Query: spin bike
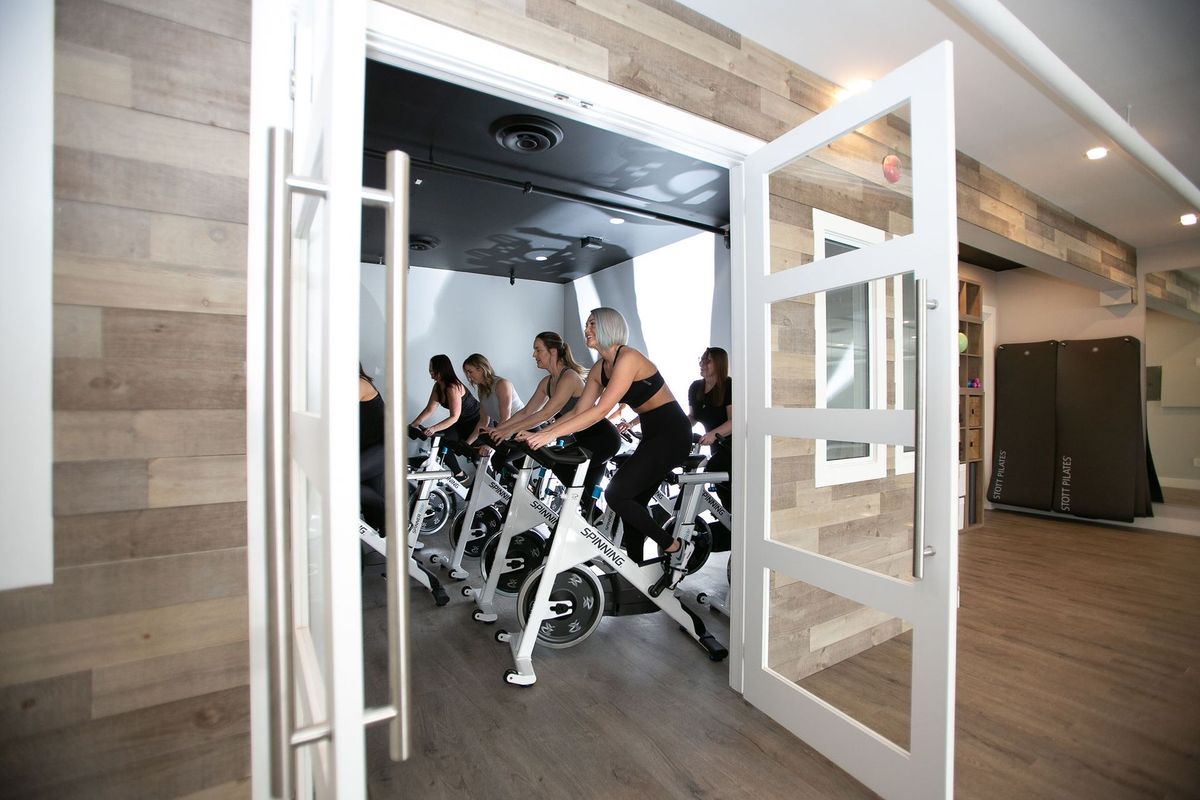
695	499
372	539
445	496
567	607
486	503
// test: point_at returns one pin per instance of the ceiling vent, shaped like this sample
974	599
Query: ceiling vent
422	244
526	134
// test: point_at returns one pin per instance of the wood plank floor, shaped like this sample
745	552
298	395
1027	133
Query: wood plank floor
1078	677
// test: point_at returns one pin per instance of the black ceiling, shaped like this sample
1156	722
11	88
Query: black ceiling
491	227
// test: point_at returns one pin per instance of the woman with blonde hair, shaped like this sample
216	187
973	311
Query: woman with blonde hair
624	375
498	399
556	397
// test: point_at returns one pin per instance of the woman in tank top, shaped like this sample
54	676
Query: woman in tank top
624	375
498	399
370	451
556	394
711	403
449	392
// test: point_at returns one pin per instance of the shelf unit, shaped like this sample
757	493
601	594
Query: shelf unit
970	405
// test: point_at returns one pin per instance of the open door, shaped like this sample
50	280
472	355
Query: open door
307	707
846	323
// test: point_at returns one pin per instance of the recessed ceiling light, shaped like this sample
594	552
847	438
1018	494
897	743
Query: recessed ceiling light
616	221
539	258
418	181
1097	153
1187	219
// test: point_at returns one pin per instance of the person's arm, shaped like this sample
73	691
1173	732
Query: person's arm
504	394
428	410
454	396
724	429
484	423
515	422
562	393
593	409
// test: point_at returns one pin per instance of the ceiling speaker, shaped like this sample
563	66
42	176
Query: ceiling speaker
421	244
526	134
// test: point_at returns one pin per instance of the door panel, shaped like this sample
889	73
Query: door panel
850	553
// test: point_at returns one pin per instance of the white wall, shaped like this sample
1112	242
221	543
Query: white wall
676	301
458	313
1034	307
1174	430
26	214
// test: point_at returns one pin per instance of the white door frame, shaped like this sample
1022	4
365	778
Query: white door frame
928	603
415	43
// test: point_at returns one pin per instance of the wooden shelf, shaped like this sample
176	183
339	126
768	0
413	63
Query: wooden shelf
971	404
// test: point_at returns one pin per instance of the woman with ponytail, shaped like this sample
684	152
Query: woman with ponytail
555	397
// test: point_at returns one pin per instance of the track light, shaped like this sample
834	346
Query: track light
591	243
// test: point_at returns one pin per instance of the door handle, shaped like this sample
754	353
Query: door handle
920	551
395	201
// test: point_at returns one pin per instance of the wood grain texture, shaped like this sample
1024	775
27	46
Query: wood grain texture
97	127
132	752
90	280
100	435
148	605
116	587
177	70
147	533
132	183
196	481
43	651
1077	652
144	383
140	684
45	705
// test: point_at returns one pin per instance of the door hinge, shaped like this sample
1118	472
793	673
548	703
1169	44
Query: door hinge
292	85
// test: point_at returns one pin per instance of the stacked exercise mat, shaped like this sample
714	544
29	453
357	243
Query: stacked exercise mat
1068	430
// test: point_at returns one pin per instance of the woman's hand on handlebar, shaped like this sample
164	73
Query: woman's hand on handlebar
536	440
708	438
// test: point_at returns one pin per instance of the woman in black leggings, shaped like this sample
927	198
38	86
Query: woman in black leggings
624	375
450	392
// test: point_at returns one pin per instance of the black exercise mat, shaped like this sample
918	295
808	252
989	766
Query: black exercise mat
1023	442
1098	436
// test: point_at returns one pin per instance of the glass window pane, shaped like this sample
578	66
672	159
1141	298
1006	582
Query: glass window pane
866	522
864	176
854	657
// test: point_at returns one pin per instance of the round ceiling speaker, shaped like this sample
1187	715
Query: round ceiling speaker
526	134
421	244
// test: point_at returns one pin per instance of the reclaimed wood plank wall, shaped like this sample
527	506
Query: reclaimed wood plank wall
663	50
1175	287
128	676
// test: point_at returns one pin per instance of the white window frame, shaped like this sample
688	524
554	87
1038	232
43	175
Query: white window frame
874	464
904	463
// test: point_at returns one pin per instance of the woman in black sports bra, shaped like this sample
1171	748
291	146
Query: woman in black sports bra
625	375
370	451
556	394
450	392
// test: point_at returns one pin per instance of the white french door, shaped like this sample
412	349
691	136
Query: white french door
306	117
846	322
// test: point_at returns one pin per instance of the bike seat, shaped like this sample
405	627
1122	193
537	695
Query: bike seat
550	457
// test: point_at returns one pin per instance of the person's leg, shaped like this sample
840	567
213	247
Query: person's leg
666	442
603	442
371	500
